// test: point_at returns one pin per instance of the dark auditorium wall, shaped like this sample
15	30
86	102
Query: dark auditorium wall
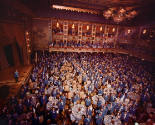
12	34
9	54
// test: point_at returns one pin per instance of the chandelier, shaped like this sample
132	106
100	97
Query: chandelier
120	14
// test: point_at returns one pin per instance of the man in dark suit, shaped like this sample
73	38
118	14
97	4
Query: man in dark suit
16	75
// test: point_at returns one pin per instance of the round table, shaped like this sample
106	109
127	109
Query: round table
78	111
52	103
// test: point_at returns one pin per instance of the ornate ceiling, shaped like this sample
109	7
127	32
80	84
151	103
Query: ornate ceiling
103	4
145	8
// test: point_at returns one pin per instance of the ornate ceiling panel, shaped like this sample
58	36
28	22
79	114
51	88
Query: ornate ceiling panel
145	8
101	4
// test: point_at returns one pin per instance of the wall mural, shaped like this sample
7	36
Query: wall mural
40	33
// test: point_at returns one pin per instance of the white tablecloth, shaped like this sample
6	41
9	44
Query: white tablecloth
109	91
109	118
82	95
95	99
52	103
78	111
66	88
70	94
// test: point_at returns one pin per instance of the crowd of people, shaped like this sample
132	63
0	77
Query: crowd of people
86	44
105	44
84	89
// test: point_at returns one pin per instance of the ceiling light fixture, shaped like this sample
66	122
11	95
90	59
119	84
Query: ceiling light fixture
120	14
74	9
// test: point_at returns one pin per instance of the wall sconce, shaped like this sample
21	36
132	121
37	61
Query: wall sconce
113	29
144	31
101	28
87	27
73	26
27	33
57	24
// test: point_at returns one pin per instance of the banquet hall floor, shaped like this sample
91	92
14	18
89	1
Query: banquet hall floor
8	85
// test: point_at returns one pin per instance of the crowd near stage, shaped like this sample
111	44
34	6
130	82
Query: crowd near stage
84	89
8	85
77	62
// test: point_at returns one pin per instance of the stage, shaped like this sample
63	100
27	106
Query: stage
8	85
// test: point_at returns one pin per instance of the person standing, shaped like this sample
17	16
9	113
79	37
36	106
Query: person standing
16	75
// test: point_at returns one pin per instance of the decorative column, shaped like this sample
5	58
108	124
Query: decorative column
50	43
36	57
140	31
116	37
105	30
50	31
80	33
65	31
27	37
93	33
